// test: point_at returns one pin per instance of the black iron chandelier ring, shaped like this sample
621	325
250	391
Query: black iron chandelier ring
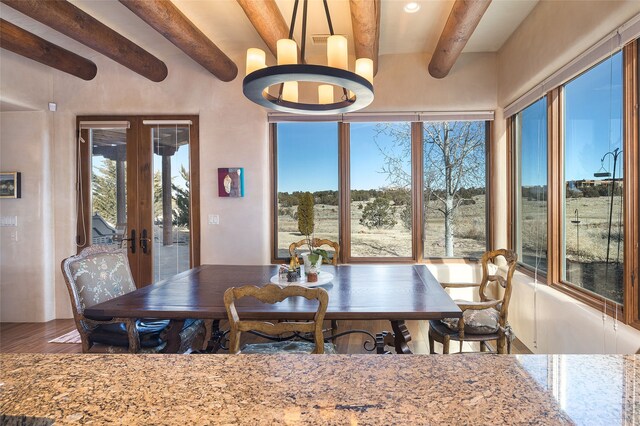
255	87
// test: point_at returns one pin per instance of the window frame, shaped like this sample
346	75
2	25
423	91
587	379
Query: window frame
344	196
629	310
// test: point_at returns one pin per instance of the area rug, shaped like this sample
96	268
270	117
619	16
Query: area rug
71	337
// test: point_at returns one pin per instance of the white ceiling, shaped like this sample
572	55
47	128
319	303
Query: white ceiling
224	22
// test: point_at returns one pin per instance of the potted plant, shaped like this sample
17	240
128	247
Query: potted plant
306	225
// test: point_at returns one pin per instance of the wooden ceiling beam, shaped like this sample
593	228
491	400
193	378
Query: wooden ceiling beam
164	17
73	22
462	22
365	20
24	43
267	20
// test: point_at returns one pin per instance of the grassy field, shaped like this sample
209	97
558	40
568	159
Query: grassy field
469	231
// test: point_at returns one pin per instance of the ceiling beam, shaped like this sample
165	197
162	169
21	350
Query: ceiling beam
73	22
164	17
365	20
31	46
462	22
267	20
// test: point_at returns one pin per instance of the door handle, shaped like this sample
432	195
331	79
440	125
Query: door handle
131	241
144	241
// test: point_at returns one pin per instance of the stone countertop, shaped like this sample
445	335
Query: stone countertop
322	389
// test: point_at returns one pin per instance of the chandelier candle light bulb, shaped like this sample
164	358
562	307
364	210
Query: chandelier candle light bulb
325	94
287	51
337	54
364	68
290	91
256	60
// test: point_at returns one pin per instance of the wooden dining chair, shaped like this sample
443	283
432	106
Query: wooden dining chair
319	242
272	293
100	273
485	320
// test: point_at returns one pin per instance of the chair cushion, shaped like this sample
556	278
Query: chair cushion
476	321
289	346
149	330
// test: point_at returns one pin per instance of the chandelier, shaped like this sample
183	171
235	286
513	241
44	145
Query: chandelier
355	88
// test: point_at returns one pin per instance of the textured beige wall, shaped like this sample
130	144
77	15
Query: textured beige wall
26	251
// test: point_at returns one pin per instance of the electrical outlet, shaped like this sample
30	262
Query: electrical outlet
14	236
214	219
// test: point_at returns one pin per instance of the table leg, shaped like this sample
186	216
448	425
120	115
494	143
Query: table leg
173	336
401	337
217	336
398	338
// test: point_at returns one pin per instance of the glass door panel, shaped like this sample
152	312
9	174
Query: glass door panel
108	186
171	201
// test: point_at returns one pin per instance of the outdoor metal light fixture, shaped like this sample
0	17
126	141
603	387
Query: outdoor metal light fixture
356	87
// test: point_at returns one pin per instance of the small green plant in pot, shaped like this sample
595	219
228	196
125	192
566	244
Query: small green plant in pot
306	225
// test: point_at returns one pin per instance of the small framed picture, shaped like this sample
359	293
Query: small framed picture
9	184
231	182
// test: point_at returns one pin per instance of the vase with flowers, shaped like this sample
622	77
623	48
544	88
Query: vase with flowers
306	225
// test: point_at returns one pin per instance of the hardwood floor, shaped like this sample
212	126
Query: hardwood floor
34	337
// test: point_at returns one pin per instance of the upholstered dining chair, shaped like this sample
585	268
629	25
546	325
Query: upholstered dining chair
319	242
486	319
100	273
272	293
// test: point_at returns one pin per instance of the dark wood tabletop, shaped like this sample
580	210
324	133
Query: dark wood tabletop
389	292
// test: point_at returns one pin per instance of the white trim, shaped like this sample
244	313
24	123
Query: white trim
167	122
609	45
104	125
279	117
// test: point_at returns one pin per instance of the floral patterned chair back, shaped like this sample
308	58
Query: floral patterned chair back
97	274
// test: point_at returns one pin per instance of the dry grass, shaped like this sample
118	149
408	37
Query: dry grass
469	231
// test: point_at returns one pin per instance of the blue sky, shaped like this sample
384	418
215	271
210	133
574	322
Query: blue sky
319	143
593	126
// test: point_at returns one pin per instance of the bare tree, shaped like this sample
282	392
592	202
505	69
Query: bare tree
454	161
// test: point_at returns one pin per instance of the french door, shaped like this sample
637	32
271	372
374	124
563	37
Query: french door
138	188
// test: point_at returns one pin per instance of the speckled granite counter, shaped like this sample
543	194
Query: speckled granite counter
322	389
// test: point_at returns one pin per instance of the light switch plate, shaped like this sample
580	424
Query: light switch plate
11	221
214	219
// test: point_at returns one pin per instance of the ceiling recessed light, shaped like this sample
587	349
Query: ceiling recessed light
412	7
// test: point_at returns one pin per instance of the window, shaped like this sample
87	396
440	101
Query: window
381	215
590	150
307	161
454	188
593	234
531	185
367	179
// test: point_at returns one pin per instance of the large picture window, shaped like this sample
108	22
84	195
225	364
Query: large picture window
367	180
380	167
454	192
593	222
581	141
307	161
531	185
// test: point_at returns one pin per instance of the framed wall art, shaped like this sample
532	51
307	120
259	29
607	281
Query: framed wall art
231	182
10	185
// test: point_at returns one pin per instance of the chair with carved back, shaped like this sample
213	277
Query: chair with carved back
100	273
319	242
271	294
486	319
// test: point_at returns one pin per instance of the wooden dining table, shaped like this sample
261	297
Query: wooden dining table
357	292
